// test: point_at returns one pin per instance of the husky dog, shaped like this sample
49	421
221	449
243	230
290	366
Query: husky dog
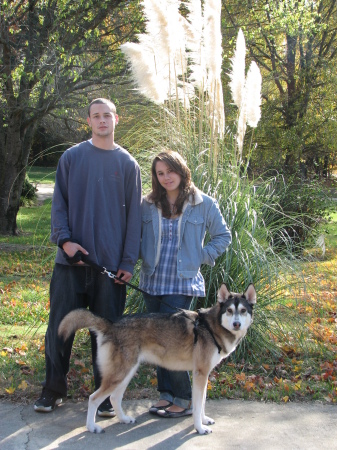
185	340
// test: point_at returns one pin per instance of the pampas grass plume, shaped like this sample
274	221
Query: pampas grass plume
241	130
253	95
144	71
237	74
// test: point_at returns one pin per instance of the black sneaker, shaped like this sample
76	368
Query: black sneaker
47	401
105	409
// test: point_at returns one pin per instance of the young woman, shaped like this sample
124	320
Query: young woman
175	218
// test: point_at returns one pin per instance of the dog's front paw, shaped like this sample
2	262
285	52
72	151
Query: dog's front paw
127	419
204	430
95	429
207	421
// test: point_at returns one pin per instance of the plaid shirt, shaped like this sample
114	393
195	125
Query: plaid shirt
164	280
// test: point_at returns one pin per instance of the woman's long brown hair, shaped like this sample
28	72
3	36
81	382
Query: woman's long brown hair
158	195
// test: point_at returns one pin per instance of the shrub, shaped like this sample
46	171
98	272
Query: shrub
28	194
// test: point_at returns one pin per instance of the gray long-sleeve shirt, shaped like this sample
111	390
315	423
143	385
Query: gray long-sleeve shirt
96	203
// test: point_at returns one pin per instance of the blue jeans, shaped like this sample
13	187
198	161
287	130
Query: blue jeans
73	287
174	386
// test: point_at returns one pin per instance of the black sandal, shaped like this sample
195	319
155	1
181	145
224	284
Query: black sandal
154	409
172	415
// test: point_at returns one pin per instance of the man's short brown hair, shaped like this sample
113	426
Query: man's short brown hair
102	101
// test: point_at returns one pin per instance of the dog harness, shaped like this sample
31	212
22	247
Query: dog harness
201	321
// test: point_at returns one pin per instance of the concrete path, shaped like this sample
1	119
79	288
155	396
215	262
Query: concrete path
238	425
44	191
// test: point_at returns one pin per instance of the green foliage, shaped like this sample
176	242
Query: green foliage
28	194
67	46
300	206
294	44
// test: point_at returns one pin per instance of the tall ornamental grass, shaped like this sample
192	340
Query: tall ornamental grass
177	65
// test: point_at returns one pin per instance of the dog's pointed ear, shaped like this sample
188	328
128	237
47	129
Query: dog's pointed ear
250	294
223	293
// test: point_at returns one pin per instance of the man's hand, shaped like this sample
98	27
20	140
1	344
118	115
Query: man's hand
72	247
124	275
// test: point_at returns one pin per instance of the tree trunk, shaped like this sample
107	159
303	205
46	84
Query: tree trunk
14	151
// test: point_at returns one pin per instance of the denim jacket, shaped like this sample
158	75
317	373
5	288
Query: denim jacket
204	215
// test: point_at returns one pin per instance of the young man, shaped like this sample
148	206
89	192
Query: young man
95	210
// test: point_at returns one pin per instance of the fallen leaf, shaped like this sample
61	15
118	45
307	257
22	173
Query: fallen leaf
20	362
240	377
8	349
23	385
10	390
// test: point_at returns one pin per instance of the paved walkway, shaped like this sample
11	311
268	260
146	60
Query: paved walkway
44	191
238	425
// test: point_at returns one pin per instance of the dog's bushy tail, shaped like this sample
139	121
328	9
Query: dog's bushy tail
77	319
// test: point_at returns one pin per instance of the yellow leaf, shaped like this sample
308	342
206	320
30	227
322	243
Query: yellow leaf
10	390
285	399
298	385
23	385
3	353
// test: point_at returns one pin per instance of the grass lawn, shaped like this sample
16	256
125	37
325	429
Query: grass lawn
44	175
301	372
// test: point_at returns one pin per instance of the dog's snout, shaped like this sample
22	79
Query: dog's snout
236	325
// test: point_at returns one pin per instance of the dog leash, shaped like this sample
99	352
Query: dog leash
79	256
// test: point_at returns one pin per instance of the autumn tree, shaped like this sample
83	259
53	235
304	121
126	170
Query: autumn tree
51	55
294	44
